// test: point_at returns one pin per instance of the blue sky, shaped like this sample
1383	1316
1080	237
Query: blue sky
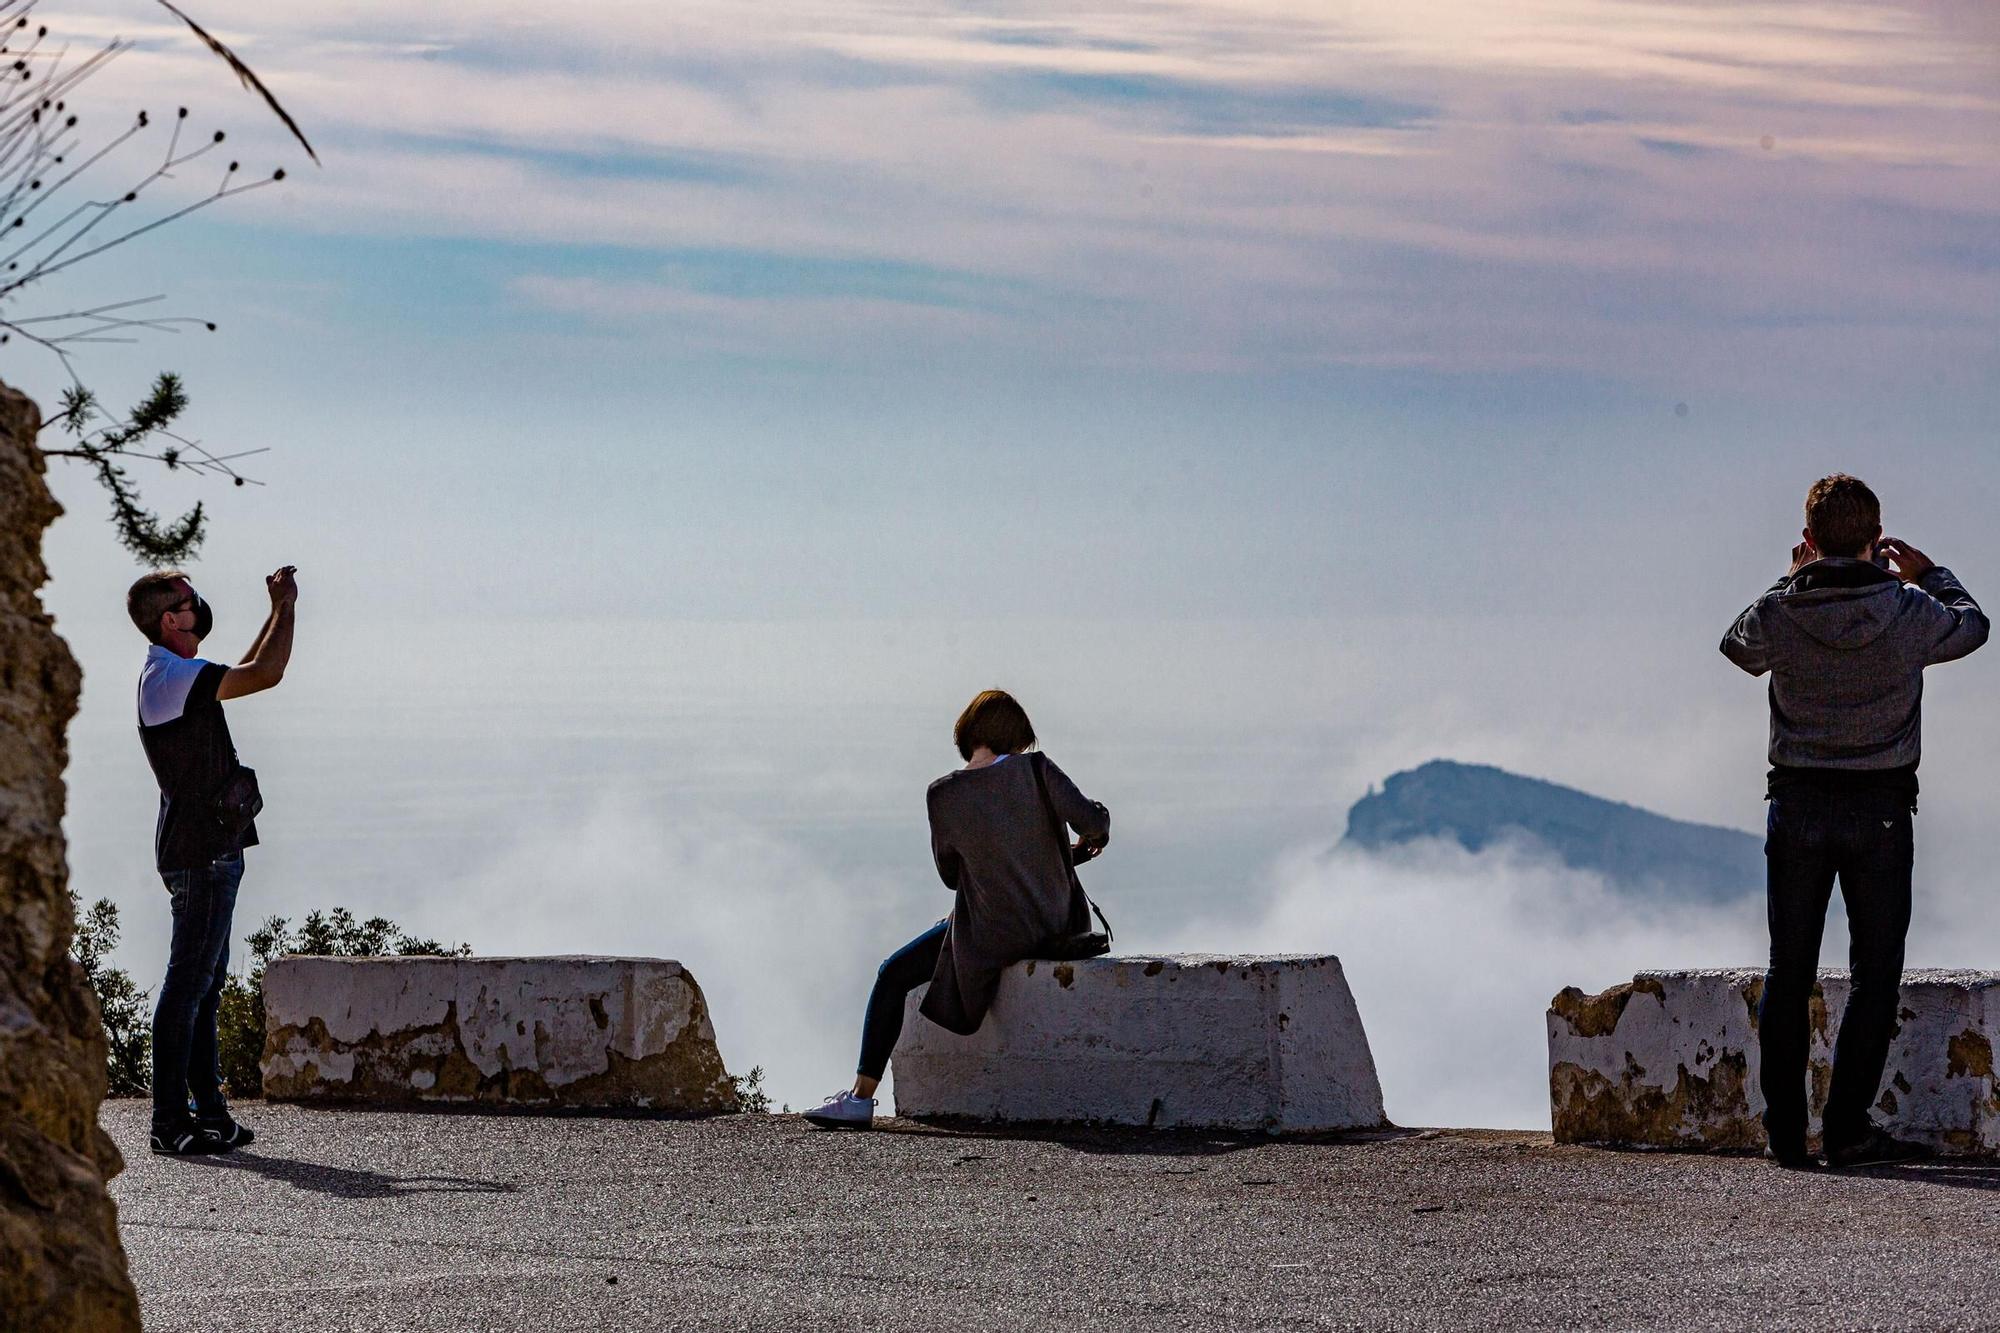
1378	381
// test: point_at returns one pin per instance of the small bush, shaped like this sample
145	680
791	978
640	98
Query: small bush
128	1028
239	1035
750	1095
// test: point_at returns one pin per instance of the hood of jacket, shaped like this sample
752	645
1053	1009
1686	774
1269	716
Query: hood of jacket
1841	603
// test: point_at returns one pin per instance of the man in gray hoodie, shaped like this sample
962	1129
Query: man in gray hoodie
1846	643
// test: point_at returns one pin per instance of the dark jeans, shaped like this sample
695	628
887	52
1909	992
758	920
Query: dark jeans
902	972
185	1061
1866	839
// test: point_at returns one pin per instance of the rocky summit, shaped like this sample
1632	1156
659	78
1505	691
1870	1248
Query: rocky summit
1635	850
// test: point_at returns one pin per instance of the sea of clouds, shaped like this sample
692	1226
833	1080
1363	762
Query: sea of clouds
685	792
1453	956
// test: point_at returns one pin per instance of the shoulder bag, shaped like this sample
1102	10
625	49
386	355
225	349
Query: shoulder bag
1080	944
237	801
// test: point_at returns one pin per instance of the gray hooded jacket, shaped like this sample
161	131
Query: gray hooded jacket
1846	644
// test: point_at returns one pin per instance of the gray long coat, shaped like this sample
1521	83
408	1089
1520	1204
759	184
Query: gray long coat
992	840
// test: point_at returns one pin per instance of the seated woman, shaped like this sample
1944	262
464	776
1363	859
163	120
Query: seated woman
998	845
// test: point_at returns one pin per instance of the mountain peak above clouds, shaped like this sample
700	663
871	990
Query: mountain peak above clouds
1477	806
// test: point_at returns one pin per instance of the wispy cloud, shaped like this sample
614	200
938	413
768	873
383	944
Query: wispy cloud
1252	183
1194	107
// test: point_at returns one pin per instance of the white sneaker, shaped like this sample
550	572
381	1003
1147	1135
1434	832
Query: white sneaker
843	1110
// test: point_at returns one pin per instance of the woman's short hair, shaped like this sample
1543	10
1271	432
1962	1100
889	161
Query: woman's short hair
993	719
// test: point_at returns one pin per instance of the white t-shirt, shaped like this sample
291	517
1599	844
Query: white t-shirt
164	683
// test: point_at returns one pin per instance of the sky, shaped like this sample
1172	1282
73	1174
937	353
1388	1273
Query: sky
677	412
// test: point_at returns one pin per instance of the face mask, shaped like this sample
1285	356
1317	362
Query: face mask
204	618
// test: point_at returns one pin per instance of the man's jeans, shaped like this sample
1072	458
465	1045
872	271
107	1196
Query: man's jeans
185	1060
1866	838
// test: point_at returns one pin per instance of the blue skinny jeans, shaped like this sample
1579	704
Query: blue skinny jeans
902	972
186	1062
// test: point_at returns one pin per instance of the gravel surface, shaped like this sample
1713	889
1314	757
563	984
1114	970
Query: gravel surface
383	1221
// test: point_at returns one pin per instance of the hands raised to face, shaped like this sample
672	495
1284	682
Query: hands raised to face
1911	564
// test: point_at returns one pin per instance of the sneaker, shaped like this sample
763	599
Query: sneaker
1875	1148
189	1140
226	1130
843	1110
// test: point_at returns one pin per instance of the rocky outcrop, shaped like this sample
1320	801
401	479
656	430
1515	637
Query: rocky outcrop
572	1032
1248	1043
61	1266
1640	855
1670	1060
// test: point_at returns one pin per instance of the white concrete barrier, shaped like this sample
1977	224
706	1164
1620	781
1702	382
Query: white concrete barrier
1182	1040
559	1032
1670	1060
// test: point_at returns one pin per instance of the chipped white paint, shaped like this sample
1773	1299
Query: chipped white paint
1672	1061
1178	1040
329	1065
451	1028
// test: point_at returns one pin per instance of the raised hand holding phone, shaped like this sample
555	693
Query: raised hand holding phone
1911	564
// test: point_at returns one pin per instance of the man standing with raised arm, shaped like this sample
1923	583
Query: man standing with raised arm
208	804
1846	642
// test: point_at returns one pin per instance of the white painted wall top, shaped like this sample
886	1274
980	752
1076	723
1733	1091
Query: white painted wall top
582	1029
1246	1042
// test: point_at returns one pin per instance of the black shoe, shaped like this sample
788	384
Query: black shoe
188	1140
226	1130
1874	1148
1792	1157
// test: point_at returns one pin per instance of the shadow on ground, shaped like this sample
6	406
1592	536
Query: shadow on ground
1971	1173
345	1182
1967	1175
1122	1141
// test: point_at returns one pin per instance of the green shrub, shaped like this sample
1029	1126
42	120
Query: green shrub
128	1028
750	1095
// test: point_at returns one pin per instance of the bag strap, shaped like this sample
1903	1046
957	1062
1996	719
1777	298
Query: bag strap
1039	763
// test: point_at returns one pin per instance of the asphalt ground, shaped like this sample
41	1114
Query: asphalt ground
387	1221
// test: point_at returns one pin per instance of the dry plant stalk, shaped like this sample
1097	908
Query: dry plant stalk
55	213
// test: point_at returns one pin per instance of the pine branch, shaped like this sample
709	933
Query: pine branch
141	532
104	448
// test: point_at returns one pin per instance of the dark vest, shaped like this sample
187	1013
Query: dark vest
192	756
